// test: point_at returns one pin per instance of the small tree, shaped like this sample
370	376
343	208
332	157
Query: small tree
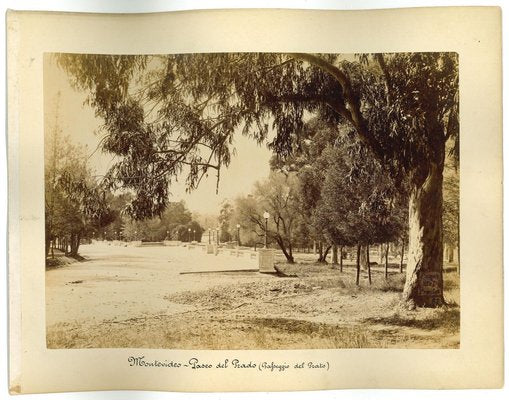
225	218
278	195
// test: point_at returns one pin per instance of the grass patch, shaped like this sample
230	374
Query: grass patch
255	333
445	318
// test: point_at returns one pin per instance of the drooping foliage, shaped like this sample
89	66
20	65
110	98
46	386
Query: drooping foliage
164	115
75	205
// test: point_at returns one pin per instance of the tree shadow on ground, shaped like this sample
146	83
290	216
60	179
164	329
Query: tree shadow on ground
447	319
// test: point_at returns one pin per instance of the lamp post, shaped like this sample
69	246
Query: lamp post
209	235
217	235
104	235
167	235
266	215
238	235
189	234
194	235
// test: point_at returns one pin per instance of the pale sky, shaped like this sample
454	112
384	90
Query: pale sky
76	119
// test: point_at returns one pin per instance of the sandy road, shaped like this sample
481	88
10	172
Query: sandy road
137	297
127	282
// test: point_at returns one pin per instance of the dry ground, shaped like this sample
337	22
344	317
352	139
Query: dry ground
136	297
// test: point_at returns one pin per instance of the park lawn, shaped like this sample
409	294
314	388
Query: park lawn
314	306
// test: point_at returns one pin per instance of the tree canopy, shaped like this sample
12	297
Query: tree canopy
164	115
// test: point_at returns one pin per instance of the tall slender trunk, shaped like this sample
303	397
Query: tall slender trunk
363	260
386	260
47	246
402	255
458	268
358	265
334	254
368	263
381	253
424	280
341	259
324	254
320	251
288	254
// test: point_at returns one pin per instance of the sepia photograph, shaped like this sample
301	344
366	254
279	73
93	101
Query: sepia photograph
252	201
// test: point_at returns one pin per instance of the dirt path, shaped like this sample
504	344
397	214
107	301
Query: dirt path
136	297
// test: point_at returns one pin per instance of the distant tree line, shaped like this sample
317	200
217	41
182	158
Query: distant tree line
75	204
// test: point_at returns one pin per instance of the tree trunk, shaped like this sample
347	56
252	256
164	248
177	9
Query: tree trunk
424	280
458	268
381	253
314	246
386	260
323	253
358	265
74	242
450	253
402	255
363	261
320	251
341	259
369	265
47	246
288	255
334	254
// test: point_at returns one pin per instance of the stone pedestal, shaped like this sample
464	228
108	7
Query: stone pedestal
266	260
210	249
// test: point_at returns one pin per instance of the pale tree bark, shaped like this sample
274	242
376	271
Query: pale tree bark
334	254
424	281
363	259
